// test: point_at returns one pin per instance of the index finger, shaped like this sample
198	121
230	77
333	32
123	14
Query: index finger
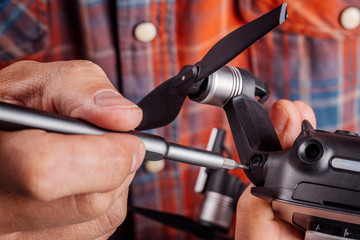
47	166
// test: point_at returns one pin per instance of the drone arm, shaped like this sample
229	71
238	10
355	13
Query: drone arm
252	130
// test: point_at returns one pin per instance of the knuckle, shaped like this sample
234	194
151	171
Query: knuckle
36	183
37	176
111	221
76	66
93	205
23	63
115	216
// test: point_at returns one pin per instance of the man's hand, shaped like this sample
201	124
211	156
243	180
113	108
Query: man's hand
55	186
255	218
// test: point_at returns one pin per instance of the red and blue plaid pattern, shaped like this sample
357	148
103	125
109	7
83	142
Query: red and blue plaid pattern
310	58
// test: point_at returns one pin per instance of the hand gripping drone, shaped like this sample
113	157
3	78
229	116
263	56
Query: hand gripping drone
314	185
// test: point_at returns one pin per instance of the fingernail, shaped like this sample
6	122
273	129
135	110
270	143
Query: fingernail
279	119
110	98
138	157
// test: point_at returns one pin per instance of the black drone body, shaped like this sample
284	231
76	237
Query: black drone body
314	185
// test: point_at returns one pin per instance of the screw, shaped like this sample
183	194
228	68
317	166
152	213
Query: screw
256	160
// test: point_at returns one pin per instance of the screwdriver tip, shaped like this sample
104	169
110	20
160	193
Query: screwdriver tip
232	164
238	165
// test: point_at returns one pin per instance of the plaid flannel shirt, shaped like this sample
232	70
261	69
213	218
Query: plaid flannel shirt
310	57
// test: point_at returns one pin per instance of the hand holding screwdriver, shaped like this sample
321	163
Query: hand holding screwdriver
56	185
14	117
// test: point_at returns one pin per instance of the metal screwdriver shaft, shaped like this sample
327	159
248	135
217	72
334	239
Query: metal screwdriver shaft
13	117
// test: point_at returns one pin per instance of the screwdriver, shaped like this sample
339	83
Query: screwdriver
14	117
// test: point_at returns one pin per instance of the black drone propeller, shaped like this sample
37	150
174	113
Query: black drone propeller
162	105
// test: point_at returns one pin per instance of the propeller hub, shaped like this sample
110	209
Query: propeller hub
222	85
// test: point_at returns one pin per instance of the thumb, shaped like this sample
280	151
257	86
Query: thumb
287	117
82	90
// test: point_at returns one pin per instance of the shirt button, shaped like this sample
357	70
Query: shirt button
145	32
350	18
154	166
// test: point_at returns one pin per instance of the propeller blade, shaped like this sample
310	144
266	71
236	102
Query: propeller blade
239	40
162	105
